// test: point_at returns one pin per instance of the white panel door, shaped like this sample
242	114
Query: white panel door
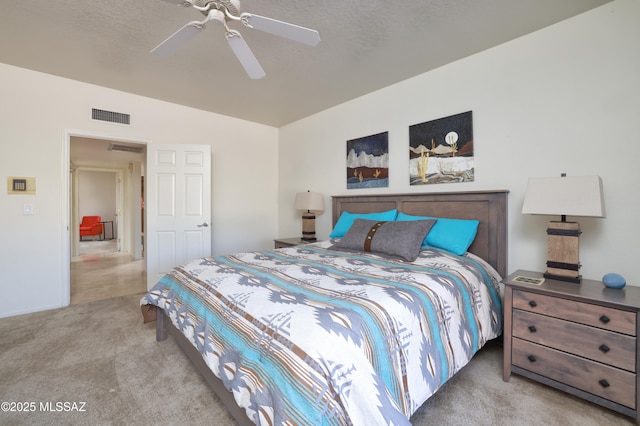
177	206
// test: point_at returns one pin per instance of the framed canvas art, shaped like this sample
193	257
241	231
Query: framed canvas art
368	161
441	151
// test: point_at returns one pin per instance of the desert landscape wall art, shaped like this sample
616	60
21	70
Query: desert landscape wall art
368	161
441	151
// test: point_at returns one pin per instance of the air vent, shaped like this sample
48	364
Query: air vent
110	116
136	149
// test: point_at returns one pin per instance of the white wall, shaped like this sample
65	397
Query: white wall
97	194
35	112
132	210
563	99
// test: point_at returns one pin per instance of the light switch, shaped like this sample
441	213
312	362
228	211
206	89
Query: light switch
27	209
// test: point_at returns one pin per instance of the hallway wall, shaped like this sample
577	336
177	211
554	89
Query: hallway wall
97	194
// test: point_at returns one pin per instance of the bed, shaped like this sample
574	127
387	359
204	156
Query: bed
313	335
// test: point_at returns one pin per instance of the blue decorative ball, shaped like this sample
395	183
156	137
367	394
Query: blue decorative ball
613	280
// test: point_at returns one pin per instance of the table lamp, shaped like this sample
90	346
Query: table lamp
564	196
309	202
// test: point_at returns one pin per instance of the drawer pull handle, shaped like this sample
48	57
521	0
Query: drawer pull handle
605	319
532	328
604	383
531	358
533	303
604	348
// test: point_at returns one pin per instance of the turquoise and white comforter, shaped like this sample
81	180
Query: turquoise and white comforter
306	335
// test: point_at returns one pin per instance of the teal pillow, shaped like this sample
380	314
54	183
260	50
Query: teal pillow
346	220
454	235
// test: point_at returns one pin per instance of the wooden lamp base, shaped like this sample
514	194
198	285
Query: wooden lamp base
308	226
563	251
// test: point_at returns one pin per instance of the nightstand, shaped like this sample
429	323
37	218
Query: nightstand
579	338
289	242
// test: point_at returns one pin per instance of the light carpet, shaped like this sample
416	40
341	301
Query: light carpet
101	357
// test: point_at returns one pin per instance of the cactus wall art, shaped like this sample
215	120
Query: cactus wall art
368	161
441	150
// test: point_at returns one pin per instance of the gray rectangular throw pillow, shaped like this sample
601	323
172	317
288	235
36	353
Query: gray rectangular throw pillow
399	239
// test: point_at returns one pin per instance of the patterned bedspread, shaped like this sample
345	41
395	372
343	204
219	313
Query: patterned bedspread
306	335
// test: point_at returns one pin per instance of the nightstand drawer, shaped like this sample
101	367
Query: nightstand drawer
607	382
607	347
584	313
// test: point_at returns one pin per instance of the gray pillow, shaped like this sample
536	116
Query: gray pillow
399	239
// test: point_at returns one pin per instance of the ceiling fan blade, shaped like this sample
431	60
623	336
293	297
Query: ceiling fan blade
244	55
281	29
177	39
179	2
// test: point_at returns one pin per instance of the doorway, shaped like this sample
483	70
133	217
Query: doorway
105	179
99	195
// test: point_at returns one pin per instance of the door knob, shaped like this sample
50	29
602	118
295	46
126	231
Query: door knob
203	225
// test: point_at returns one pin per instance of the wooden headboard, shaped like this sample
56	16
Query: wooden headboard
489	207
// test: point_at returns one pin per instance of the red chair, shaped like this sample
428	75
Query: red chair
91	226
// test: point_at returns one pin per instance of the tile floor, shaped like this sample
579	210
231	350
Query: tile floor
100	272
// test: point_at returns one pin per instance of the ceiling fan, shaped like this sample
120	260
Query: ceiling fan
224	11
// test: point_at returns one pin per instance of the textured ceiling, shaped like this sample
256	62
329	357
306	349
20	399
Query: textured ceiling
365	45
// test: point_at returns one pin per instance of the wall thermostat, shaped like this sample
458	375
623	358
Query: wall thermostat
21	185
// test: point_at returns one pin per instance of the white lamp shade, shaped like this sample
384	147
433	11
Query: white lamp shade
569	196
309	201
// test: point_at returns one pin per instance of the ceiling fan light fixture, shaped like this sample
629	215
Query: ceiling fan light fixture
216	16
